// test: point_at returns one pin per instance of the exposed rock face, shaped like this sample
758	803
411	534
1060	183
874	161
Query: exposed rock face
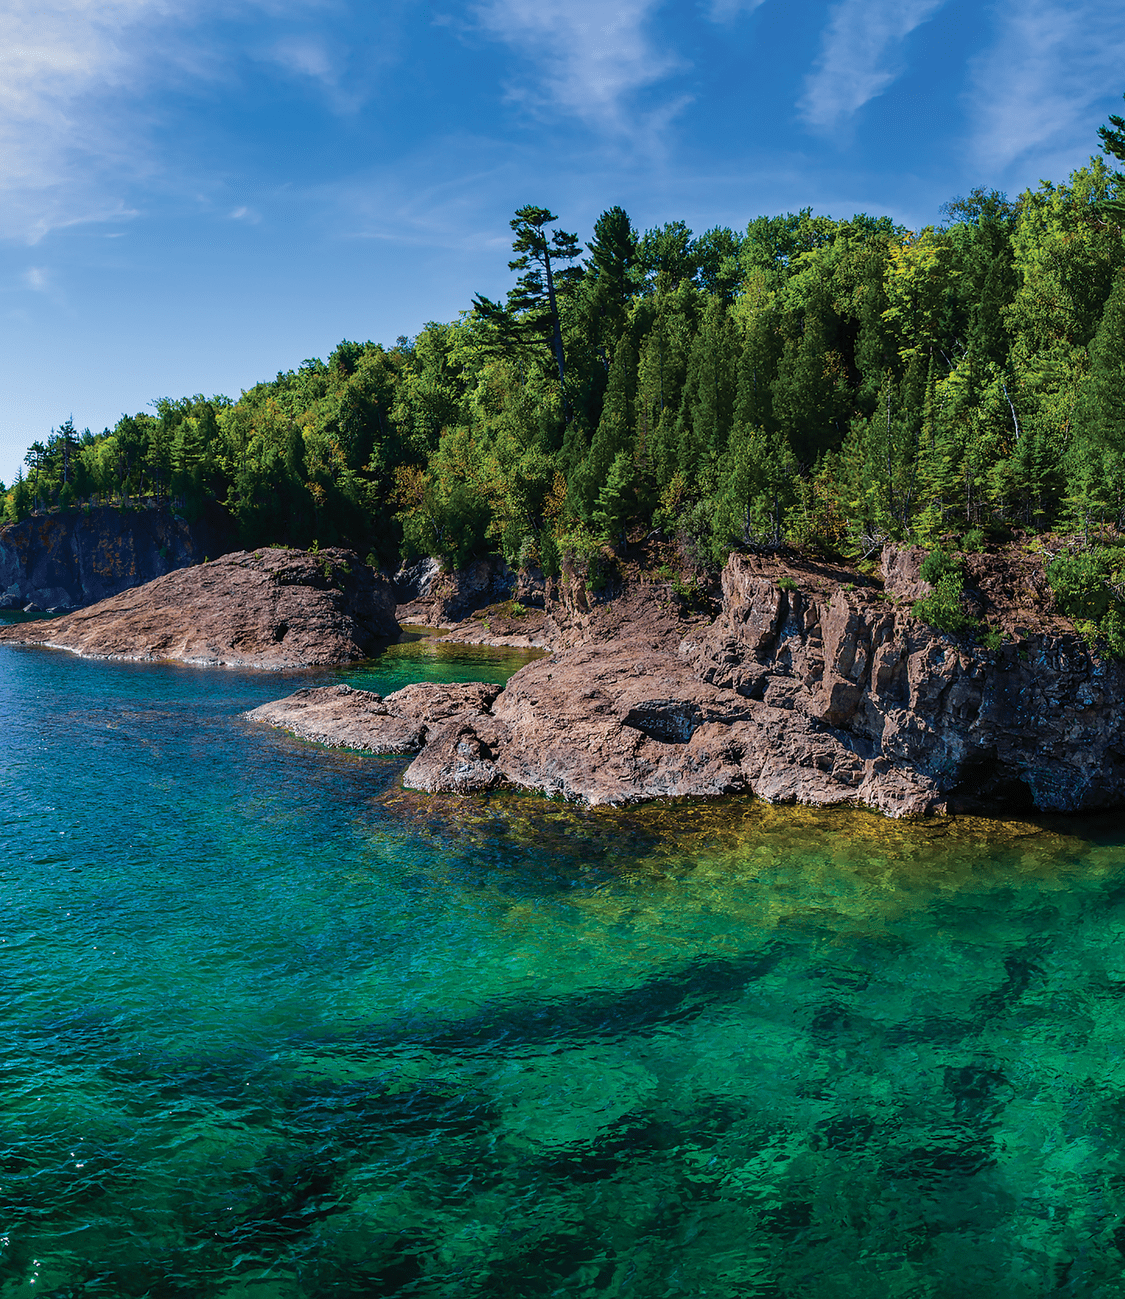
431	598
71	559
818	696
261	609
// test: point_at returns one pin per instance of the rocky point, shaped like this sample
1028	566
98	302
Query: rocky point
272	608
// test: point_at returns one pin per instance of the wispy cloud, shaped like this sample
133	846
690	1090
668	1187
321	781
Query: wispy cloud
74	114
860	56
308	56
589	57
53	53
1036	89
726	11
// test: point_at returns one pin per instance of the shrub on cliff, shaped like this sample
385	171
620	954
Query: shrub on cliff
1089	586
943	607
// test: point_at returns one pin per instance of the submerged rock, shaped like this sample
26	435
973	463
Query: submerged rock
260	609
818	696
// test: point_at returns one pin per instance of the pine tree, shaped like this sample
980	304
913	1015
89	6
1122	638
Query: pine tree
615	431
710	391
613	276
617	497
1096	462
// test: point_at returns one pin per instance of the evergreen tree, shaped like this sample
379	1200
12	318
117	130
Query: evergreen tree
1097	457
613	277
617	497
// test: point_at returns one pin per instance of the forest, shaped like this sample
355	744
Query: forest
810	383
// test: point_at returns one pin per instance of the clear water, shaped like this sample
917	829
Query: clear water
274	1027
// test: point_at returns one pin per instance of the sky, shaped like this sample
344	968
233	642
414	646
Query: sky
198	194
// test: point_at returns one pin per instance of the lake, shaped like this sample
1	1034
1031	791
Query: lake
276	1028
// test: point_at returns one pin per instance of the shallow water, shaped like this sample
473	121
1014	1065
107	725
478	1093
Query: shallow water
275	1027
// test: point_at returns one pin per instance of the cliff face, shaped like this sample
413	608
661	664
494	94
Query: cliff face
801	690
75	558
1038	722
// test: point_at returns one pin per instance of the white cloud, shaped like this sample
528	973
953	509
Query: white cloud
37	278
726	11
590	56
74	117
55	55
306	56
1039	86
860	56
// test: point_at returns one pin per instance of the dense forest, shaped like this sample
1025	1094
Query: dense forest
809	382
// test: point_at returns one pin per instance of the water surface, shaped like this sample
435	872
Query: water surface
275	1027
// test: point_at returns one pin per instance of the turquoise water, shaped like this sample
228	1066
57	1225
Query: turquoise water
275	1027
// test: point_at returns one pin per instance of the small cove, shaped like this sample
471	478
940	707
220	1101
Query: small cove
275	1028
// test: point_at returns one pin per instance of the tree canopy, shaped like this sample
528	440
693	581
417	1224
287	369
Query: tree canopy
806	381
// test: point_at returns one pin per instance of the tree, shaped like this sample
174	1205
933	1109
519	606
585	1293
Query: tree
1113	146
612	273
669	256
1113	137
1097	455
617	497
532	310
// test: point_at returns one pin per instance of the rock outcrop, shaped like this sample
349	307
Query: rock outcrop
819	695
261	609
75	557
430	597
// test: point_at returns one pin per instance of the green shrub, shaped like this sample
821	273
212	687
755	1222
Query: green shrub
786	584
973	541
943	607
1086	584
1079	583
549	558
940	563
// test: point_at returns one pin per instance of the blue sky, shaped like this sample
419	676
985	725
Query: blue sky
198	194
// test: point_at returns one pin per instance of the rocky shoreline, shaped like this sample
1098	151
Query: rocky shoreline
794	686
800	690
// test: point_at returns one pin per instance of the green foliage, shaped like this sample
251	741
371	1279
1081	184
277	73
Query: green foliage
942	607
1089	586
940	564
821	383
